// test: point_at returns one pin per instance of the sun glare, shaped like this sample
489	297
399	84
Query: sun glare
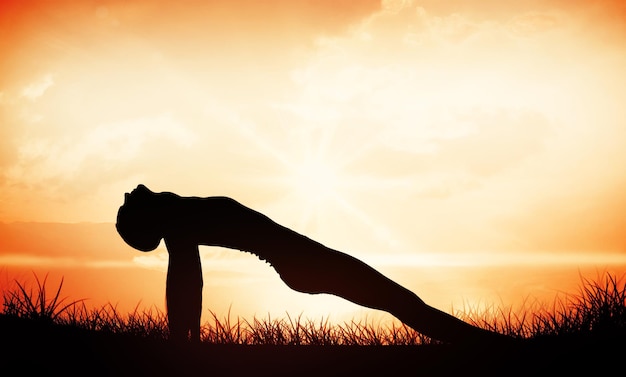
314	181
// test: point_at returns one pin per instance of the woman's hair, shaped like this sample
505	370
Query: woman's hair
138	220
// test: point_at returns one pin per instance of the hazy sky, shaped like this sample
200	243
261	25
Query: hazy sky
401	128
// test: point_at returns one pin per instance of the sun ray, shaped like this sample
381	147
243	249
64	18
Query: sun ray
313	173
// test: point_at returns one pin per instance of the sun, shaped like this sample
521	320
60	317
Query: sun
314	180
313	174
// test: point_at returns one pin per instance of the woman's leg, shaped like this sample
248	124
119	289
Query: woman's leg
317	269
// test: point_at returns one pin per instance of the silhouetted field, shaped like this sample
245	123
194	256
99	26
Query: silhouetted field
44	334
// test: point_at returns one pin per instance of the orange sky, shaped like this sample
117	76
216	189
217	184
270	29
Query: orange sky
416	135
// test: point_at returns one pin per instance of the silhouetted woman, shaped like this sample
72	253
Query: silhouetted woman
303	264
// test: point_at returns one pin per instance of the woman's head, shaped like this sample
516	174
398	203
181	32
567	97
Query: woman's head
138	220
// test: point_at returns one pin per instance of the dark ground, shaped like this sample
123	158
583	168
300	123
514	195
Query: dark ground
37	349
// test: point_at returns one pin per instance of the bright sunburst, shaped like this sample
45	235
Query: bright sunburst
314	180
320	190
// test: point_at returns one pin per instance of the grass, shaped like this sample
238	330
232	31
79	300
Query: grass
45	334
597	310
35	304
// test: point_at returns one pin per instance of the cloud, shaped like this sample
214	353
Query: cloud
18	260
429	86
465	117
571	221
495	140
68	161
531	24
89	245
37	89
155	260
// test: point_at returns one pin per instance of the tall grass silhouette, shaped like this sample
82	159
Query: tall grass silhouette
35	302
598	309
